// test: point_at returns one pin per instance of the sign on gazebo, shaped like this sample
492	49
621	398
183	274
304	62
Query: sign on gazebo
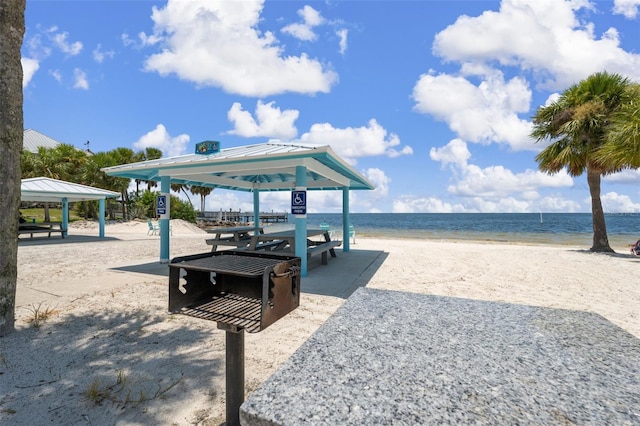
208	147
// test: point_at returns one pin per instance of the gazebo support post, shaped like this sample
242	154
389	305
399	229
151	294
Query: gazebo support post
256	210
65	215
101	208
165	189
301	222
345	219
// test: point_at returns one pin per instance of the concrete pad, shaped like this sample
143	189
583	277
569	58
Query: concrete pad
340	277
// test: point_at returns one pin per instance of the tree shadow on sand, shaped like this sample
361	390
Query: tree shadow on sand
108	367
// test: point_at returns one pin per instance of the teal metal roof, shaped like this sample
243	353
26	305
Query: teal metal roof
46	189
268	166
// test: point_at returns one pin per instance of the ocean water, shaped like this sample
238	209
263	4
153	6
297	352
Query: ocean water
545	228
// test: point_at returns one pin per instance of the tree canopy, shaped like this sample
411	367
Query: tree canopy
588	127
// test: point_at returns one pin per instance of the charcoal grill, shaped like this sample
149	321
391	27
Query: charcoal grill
239	291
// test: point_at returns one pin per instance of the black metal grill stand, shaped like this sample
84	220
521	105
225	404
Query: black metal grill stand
234	375
241	291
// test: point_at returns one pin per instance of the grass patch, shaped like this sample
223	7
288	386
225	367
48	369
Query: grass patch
125	391
54	214
40	315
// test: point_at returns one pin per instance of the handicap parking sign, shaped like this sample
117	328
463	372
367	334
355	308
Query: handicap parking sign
298	202
161	205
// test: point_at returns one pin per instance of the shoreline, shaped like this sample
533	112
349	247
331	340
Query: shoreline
619	242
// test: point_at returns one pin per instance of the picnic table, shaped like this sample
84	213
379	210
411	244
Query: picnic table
41	228
388	357
286	241
238	236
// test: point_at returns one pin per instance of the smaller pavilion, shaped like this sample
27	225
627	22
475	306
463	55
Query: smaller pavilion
43	189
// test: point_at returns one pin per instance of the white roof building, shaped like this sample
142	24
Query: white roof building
32	140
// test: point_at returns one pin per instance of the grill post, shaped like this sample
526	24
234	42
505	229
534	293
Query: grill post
234	375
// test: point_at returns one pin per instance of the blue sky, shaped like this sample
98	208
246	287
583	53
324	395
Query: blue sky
430	100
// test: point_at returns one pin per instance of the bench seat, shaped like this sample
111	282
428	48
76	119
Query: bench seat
323	249
47	231
266	246
227	242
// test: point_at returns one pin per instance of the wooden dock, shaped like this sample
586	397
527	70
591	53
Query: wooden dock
243	217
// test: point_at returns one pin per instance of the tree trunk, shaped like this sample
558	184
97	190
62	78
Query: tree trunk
600	239
11	135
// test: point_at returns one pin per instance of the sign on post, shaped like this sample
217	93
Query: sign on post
299	202
161	205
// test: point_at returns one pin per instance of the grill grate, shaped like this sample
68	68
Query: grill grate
229	308
234	265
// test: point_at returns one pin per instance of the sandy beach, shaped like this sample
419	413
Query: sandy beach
104	350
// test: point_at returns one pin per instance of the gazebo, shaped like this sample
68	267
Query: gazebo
42	189
271	166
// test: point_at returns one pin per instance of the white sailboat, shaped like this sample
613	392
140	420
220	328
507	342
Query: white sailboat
541	221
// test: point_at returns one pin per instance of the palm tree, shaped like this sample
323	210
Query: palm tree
64	162
577	123
94	176
148	154
203	191
122	156
11	135
622	141
180	187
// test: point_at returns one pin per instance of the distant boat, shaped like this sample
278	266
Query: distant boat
541	221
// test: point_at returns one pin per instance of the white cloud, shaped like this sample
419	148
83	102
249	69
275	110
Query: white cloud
99	56
414	204
484	113
380	180
455	152
304	31
80	79
613	202
29	68
269	121
39	48
342	35
628	8
56	74
160	138
219	44
625	176
503	205
354	142
69	48
557	203
544	37
223	199
143	40
496	182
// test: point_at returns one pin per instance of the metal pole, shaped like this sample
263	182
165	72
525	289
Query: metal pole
234	375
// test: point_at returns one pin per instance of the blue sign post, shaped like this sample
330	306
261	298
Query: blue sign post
298	202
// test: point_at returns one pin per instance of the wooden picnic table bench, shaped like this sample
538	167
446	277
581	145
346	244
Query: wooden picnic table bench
285	241
238	236
41	228
323	249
